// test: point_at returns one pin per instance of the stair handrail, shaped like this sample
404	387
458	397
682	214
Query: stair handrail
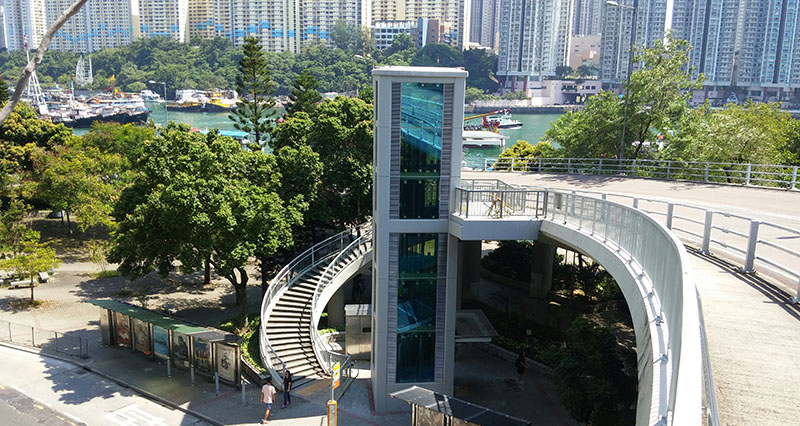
320	351
284	279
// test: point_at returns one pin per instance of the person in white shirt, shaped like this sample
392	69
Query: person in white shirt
267	397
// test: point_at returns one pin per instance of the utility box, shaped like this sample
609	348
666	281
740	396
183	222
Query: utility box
358	330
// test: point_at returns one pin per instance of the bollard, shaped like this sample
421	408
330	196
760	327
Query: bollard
191	375
169	367
244	400
216	383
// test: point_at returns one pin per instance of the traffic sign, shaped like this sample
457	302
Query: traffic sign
336	375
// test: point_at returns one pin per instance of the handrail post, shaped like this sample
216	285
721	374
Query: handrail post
752	242
636	203
502	202
670	212
513	161
794	178
633	167
749	171
707	233
485	164
569	165
705	179
669	167
600	167
539	164
466	211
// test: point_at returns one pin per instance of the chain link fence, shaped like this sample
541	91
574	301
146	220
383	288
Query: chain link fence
47	341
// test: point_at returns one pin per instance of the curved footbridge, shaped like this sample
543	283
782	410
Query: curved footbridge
752	325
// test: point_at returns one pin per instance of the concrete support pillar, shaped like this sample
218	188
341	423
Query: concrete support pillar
469	267
336	309
542	269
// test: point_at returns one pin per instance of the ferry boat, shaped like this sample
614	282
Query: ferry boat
204	101
504	121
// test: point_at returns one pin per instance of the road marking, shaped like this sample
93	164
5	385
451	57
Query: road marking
38	406
134	416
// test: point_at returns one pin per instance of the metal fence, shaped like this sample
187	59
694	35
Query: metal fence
764	175
47	341
500	203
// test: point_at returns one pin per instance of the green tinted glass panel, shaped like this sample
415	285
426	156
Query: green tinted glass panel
420	149
416	307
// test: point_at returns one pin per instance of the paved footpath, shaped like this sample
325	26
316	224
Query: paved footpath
69	395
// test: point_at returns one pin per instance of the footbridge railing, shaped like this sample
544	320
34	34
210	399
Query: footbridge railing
325	355
765	175
663	276
315	256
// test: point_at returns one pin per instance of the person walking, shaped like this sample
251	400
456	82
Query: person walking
520	364
267	397
287	387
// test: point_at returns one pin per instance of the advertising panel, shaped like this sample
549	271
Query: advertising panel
122	324
202	356
226	362
180	350
160	342
141	336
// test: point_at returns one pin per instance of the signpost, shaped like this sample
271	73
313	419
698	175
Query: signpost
335	375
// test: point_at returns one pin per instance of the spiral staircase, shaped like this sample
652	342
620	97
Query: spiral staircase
297	296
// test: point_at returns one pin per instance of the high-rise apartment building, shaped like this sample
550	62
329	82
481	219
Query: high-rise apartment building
24	19
534	40
769	54
167	18
654	18
209	19
485	23
76	33
453	15
99	24
587	17
2	28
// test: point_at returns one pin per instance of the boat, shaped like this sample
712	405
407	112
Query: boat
150	96
504	121
482	139
204	101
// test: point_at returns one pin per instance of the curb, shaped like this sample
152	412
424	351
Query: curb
119	382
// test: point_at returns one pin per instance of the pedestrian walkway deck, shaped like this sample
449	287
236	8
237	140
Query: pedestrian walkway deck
753	328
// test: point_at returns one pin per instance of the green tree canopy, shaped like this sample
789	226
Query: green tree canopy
33	257
201	197
482	67
256	104
4	95
438	55
304	96
592	132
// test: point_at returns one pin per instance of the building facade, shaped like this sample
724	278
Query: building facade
209	19
534	40
452	16
385	31
24	20
584	50
166	18
485	23
588	17
417	153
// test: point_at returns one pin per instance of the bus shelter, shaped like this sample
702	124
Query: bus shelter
186	346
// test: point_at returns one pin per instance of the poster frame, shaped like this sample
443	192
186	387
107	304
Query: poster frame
211	364
125	319
236	379
179	363
149	338
168	333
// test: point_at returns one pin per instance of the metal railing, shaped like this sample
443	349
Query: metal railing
755	246
764	175
499	203
47	341
314	256
362	242
666	287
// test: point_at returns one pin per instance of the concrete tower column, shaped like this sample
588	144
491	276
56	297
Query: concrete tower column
542	269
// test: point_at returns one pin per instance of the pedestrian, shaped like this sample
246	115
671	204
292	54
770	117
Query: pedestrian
287	387
520	364
267	397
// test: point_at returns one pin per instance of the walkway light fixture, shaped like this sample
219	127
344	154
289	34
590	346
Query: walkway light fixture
621	153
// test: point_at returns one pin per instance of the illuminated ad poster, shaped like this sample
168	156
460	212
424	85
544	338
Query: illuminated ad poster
202	356
160	342
180	350
123	326
141	336
226	362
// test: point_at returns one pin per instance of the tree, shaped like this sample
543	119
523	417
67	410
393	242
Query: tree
352	39
255	105
401	51
33	257
562	71
12	227
482	67
3	91
472	94
658	92
587	71
304	96
342	135
37	58
523	153
592	132
438	55
201	197
78	179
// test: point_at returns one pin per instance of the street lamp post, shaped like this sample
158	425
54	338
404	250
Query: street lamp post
166	121
621	153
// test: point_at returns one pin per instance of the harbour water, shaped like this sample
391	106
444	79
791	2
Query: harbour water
533	127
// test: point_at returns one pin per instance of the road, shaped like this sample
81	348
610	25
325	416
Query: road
40	390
